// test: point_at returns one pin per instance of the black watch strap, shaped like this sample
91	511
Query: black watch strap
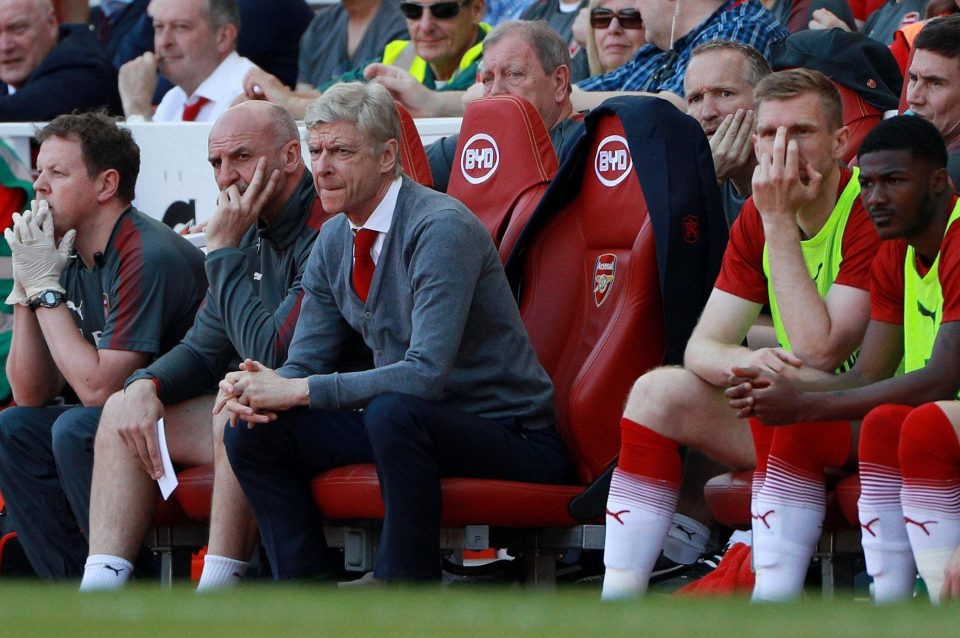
48	299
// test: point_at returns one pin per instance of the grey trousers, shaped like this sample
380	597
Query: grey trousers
46	467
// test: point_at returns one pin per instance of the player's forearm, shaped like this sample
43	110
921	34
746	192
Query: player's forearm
711	360
802	310
916	388
31	371
78	361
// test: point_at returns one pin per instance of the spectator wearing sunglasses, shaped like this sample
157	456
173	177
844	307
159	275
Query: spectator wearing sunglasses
673	30
529	60
614	34
441	55
340	37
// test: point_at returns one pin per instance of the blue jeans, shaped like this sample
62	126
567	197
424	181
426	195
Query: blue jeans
413	443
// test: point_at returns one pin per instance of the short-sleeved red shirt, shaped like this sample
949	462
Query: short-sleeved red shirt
741	273
887	285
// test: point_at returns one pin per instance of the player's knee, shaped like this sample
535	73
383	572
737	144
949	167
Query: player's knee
928	443
108	430
654	399
880	434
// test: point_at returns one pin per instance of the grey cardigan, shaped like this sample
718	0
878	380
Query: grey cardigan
440	319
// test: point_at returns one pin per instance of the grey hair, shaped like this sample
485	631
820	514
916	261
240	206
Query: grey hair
757	66
546	43
223	12
367	105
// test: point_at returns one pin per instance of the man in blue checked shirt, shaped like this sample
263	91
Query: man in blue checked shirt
674	28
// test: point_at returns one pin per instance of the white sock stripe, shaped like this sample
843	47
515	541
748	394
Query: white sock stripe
778	466
659	501
876	469
879	486
632	489
933	484
757	483
783	491
942	501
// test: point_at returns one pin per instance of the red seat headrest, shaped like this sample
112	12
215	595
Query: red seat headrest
503	162
413	158
859	116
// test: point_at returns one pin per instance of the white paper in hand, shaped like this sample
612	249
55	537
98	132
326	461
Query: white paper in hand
168	482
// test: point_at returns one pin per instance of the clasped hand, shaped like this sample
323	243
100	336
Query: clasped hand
255	394
761	387
38	260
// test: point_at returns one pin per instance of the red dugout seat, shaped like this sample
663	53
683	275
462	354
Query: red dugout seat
413	158
587	268
859	116
590	267
504	163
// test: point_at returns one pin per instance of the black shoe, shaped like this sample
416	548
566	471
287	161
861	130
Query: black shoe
703	566
666	569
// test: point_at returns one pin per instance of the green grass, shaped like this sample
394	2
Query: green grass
271	611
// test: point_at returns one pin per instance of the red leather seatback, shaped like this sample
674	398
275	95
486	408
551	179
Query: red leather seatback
412	156
591	300
859	116
504	162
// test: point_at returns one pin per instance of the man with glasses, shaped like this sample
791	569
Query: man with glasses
340	37
441	55
529	60
674	28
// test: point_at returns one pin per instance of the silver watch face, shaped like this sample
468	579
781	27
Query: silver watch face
50	298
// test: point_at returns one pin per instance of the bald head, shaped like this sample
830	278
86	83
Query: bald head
247	132
28	33
261	115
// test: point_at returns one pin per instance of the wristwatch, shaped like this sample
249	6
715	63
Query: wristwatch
48	299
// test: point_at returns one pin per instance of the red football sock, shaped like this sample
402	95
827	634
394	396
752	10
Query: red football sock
930	461
884	536
647	453
791	504
643	497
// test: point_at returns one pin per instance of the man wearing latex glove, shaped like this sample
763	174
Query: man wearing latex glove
258	240
83	321
38	260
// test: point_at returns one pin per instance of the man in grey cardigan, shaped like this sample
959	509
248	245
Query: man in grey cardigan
456	388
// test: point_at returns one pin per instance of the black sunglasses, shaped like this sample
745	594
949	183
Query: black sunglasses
440	10
601	18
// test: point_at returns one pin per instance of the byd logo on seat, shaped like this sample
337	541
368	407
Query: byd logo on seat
612	163
480	158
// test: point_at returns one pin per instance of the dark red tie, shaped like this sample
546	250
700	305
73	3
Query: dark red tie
363	265
190	111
